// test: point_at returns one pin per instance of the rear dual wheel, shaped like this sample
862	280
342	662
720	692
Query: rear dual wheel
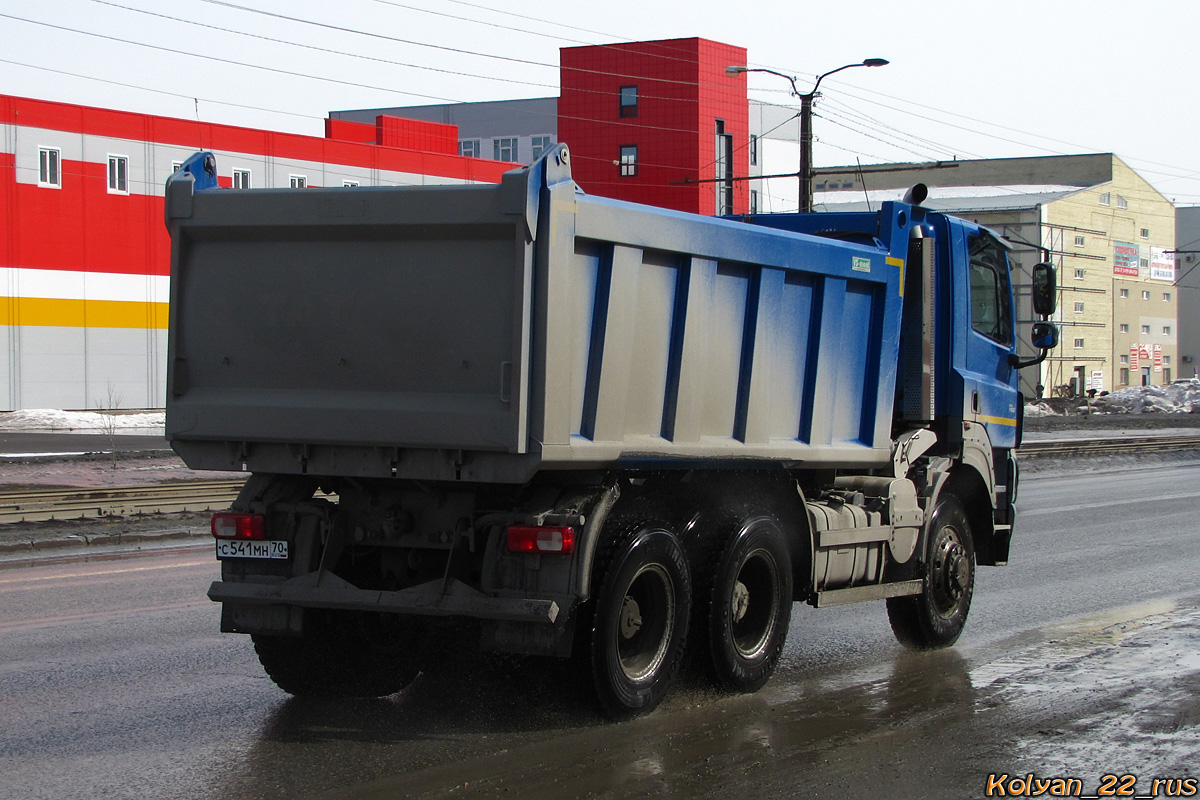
748	605
342	654
640	618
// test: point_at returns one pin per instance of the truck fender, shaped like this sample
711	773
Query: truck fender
975	493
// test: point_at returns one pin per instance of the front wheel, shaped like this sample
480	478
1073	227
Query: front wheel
641	618
935	617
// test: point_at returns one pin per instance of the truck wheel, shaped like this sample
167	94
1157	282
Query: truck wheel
334	658
749	605
936	617
640	622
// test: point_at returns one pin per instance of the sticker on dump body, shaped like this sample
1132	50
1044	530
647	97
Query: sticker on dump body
860	264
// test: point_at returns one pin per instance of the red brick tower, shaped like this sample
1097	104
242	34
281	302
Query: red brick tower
657	122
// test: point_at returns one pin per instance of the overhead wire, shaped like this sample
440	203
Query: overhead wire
276	70
1174	175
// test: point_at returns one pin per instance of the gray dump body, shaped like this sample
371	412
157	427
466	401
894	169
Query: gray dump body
489	332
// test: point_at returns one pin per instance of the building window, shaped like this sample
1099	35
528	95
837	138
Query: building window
298	181
1124	376
1145	330
629	160
1166	297
1124	329
540	145
1079	241
241	179
468	148
349	184
1122	202
754	201
753	150
1079	344
1144	263
1079	274
1124	293
1166	374
1166	330
1105	199
1166	359
723	161
1144	233
629	101
1079	308
118	175
1124	359
504	149
49	167
1146	295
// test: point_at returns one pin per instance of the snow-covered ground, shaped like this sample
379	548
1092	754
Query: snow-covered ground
1178	398
41	420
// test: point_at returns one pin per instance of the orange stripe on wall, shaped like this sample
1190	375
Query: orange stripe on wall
49	312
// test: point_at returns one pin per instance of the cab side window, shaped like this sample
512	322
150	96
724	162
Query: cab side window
990	295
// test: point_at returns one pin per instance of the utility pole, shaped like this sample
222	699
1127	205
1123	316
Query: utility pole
806	114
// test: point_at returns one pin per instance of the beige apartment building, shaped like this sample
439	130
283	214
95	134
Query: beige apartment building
1109	232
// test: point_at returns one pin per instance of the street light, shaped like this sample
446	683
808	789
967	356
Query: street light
806	110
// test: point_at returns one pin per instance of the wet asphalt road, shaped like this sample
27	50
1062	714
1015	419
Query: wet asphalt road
1080	659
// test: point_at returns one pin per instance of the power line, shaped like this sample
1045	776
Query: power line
1171	175
160	91
275	70
321	49
289	73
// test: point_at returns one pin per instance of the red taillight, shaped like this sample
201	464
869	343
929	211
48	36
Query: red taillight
238	526
541	539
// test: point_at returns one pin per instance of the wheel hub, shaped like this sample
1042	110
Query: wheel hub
631	618
956	571
739	602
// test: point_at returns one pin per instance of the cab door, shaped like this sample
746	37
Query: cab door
989	377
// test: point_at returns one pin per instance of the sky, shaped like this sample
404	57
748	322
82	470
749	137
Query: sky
966	79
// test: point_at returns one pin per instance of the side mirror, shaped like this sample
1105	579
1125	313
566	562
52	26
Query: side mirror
1045	290
1044	335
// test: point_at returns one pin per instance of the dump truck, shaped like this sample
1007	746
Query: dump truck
546	423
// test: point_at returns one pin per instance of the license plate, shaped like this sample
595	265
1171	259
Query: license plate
242	549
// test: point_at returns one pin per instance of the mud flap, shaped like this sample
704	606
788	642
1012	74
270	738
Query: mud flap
272	620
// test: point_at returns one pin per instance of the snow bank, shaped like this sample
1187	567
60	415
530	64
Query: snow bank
49	419
1039	410
1178	398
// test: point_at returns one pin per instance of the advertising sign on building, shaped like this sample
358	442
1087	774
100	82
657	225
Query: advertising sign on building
1162	264
1133	356
1158	358
1125	259
1096	380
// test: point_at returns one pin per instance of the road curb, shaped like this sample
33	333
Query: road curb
81	546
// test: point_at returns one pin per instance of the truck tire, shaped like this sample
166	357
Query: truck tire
335	658
748	605
640	619
936	617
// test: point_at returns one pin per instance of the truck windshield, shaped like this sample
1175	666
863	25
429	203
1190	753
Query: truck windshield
990	295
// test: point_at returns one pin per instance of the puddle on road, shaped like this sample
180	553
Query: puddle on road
1117	693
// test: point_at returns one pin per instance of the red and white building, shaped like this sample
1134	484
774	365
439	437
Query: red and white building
84	253
85	257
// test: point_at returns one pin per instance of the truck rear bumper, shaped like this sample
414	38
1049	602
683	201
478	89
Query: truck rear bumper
433	599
